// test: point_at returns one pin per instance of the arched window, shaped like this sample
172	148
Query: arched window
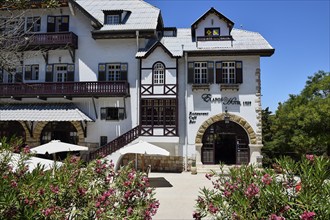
159	73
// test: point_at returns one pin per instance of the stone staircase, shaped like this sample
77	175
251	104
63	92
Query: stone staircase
202	168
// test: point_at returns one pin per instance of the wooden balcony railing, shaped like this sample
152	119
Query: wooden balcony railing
116	144
215	38
32	4
52	40
36	41
61	89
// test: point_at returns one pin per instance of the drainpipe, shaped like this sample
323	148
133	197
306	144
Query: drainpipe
186	107
137	81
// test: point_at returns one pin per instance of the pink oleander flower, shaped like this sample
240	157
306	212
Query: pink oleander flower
129	211
213	209
13	184
227	193
197	215
209	175
267	179
275	217
252	190
26	150
310	157
82	191
307	215
54	189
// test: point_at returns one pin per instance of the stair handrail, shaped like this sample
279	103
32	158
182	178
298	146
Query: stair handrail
115	144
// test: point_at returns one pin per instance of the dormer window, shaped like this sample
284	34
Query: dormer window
112	19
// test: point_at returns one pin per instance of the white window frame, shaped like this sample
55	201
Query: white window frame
35	24
113	71
200	73
159	73
229	72
113	19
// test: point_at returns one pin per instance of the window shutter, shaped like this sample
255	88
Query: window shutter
210	72
124	69
102	72
65	24
190	72
1	74
49	73
51	24
28	73
103	113
121	113
19	74
70	72
218	72
239	72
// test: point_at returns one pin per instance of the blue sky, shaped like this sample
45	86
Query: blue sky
298	30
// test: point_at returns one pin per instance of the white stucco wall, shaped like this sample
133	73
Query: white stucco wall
207	23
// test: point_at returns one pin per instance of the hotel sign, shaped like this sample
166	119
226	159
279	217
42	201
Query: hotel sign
224	100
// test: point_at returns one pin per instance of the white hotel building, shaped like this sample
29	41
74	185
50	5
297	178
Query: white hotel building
105	73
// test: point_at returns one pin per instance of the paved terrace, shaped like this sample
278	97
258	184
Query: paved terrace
177	193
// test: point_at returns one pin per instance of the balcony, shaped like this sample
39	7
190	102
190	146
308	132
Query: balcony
32	4
39	41
64	89
51	40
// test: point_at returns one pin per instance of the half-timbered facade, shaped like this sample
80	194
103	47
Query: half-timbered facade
103	73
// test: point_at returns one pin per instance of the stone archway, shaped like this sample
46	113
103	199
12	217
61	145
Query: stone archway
254	148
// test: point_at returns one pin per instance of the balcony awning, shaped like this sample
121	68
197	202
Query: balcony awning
42	112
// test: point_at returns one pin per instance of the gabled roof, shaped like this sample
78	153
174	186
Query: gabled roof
211	11
143	15
148	50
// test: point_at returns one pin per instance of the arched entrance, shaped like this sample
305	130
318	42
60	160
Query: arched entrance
12	129
63	131
225	142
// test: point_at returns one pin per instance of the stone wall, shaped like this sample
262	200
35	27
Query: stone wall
158	163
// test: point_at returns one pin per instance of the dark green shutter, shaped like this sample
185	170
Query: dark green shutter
19	74
102	76
103	113
1	74
28	72
70	73
191	72
239	72
124	70
49	73
210	72
64	26
121	113
51	24
218	72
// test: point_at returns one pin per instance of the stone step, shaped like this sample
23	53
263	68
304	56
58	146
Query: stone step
209	168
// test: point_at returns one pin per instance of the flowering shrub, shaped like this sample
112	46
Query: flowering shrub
73	191
300	191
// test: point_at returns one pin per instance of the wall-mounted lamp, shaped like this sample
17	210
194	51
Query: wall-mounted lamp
227	117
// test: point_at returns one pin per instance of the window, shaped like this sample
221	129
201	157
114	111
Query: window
13	75
32	72
12	26
158	112
112	113
112	71
33	24
229	72
212	32
58	23
200	73
112	19
159	73
60	72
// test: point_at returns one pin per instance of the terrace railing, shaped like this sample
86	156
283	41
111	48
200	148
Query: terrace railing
60	89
